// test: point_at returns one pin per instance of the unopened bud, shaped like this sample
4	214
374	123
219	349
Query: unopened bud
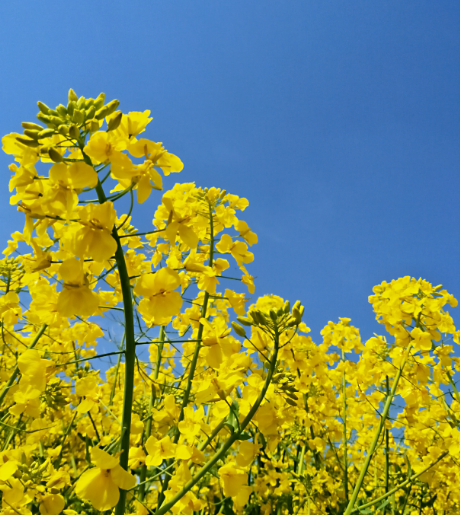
32	133
31	126
43	107
81	102
101	113
55	155
45	133
73	97
90	112
63	129
28	142
287	307
239	330
71	108
273	315
74	132
78	116
114	122
244	320
94	126
99	102
56	120
112	106
297	316
61	110
290	401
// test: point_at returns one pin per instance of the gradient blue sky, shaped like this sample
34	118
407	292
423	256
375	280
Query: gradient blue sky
338	120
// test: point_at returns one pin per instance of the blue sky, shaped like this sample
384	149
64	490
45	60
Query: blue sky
338	120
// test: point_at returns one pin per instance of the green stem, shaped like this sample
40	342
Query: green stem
235	436
375	440
130	353
148	427
387	451
13	376
408	481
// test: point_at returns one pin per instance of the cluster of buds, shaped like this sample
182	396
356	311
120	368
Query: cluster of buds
276	321
284	382
80	114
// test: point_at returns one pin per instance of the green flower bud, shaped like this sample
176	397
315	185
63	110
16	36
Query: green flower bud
71	107
28	142
81	102
112	106
43	107
244	320
239	330
101	113
31	126
74	132
273	315
90	113
290	401
63	129
53	112
55	155
287	307
45	133
99	102
297	316
73	97
56	120
93	126
291	322
78	116
89	102
114	122
62	110
32	133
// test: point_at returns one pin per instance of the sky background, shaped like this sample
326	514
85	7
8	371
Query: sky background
339	121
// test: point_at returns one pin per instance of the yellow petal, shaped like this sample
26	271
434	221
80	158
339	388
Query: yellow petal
122	478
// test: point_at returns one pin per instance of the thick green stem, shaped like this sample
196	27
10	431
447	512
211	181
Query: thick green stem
235	436
375	440
387	450
130	355
15	373
148	426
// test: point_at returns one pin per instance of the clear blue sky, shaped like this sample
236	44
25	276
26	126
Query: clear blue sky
338	120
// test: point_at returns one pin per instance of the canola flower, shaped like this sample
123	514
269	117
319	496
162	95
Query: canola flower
215	401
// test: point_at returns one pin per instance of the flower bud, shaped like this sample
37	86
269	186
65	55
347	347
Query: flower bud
290	401
31	126
111	107
78	116
32	133
287	307
55	155
55	120
99	102
73	97
273	315
63	129
62	111
244	320
28	142
90	112
71	108
43	107
114	122
81	102
239	330
74	132
93	126
45	133
101	113
297	316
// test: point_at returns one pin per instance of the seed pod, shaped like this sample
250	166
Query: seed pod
45	133
114	122
239	330
31	126
32	133
55	155
99	102
74	132
28	142
244	320
290	401
112	106
78	116
43	107
73	97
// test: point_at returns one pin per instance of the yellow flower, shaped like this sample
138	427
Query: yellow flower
159	450
160	302
238	249
52	504
101	484
75	298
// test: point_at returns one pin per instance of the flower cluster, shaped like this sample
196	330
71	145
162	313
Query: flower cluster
139	374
